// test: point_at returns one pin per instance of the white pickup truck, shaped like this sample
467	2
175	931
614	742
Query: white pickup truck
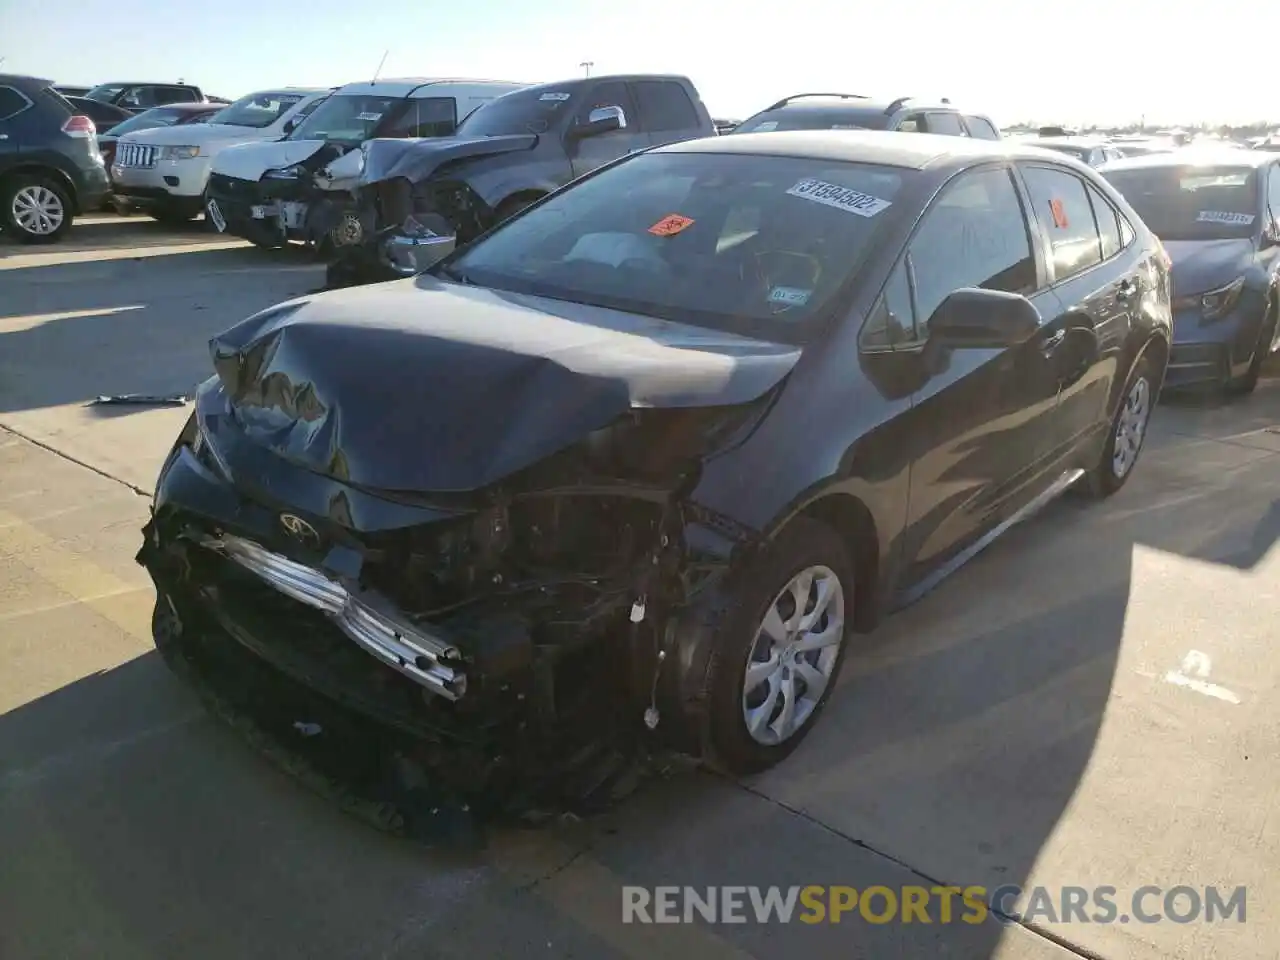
164	171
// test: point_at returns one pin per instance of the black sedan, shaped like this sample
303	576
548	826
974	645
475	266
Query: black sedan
640	461
1216	213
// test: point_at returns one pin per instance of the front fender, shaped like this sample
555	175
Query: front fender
498	178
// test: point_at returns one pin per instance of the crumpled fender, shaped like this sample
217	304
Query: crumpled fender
417	160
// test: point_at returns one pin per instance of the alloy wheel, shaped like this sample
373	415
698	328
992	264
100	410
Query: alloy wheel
1131	427
38	210
793	655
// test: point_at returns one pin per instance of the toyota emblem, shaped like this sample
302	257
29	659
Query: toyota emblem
300	530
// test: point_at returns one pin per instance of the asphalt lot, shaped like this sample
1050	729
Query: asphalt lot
1084	704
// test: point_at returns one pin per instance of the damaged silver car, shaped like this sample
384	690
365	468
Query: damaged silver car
631	470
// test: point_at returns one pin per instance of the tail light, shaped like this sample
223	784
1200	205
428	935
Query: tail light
79	126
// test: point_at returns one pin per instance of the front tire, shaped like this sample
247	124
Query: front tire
1127	433
777	655
34	209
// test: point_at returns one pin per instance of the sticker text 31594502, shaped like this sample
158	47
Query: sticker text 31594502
1222	216
842	198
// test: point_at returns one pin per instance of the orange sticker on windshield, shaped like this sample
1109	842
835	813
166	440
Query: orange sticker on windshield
1059	214
670	225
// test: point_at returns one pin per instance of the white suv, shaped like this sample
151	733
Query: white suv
165	170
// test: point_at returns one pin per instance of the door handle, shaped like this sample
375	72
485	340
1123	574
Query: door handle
1053	341
1127	288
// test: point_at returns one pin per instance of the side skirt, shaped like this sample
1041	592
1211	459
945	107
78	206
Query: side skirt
909	596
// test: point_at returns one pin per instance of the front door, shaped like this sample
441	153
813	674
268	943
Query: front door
984	415
586	153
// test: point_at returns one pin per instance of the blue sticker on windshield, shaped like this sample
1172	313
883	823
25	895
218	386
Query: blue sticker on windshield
789	296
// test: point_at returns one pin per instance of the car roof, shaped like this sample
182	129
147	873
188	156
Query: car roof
305	91
22	80
912	150
856	103
1196	156
1070	141
404	86
143	83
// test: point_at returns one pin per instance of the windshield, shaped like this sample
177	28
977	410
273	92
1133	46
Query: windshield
532	111
346	118
256	110
810	120
756	245
1192	202
105	92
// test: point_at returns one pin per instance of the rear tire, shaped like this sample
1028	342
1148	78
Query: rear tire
34	208
1127	432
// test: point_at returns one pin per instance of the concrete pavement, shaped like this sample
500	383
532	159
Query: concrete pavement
1087	703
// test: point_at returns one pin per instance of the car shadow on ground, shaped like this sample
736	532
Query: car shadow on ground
960	733
73	331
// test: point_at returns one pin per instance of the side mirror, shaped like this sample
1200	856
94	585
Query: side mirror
603	120
1271	237
290	124
983	319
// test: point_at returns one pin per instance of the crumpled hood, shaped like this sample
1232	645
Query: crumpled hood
196	133
386	159
1200	265
249	161
420	385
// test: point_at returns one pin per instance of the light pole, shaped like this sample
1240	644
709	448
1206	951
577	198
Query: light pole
586	65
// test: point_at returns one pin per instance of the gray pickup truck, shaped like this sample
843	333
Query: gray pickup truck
416	198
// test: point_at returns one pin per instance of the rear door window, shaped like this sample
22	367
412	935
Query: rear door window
947	124
1063	209
981	128
911	123
664	105
425	117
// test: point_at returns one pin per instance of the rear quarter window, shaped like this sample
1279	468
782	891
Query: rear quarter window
12	103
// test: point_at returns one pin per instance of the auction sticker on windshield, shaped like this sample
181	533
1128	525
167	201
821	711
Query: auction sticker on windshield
789	296
842	198
670	225
554	96
1222	216
369	116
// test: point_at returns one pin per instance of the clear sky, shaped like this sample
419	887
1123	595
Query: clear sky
1073	62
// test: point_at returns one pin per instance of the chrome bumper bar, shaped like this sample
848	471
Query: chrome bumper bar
366	619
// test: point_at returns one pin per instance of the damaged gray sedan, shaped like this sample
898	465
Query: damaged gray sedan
630	471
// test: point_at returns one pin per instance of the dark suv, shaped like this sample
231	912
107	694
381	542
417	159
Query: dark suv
50	167
136	97
853	111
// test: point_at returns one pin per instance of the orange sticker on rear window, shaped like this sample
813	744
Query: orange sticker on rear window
1059	214
670	225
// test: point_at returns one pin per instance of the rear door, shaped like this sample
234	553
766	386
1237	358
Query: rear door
982	415
1096	286
13	104
588	153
